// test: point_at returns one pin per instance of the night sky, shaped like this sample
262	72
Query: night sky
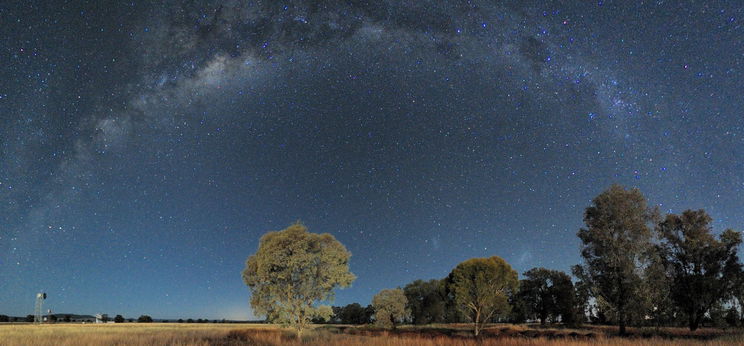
145	147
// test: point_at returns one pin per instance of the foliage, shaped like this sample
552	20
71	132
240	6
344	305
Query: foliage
582	290
353	314
144	319
427	301
704	269
118	319
657	285
547	294
291	271
615	246
390	307
4	318
732	317
481	288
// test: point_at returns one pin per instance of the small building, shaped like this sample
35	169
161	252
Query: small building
102	318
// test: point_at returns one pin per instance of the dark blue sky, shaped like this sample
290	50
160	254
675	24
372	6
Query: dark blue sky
145	147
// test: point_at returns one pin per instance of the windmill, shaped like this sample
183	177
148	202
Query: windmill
40	297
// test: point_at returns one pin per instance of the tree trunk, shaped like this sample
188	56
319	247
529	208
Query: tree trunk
621	323
694	322
477	318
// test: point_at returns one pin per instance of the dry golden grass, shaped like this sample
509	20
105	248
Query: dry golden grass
269	335
118	334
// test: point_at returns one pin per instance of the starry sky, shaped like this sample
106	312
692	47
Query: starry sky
146	146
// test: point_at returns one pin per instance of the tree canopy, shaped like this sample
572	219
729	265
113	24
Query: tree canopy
390	307
353	313
547	294
427	301
294	269
144	319
481	288
615	245
704	269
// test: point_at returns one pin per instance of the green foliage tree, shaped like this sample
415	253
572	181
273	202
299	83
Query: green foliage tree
738	293
583	289
369	314
67	318
118	319
144	319
481	288
427	301
390	307
518	312
615	247
4	318
291	271
732	317
29	318
704	269
657	286
548	294
351	314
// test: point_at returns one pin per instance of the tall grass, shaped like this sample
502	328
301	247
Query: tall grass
268	335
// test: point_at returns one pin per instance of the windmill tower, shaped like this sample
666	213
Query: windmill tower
40	297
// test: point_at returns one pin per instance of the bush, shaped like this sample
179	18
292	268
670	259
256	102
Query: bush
144	319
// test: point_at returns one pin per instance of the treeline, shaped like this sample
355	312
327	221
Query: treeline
639	268
104	318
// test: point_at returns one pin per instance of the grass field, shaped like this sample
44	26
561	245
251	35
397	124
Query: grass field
261	334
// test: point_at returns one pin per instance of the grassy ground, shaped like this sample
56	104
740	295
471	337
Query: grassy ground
435	335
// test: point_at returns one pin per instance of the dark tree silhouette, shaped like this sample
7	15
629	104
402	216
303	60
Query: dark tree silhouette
704	269
427	301
351	314
144	319
547	294
615	246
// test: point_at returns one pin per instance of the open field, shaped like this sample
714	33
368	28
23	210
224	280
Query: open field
261	334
